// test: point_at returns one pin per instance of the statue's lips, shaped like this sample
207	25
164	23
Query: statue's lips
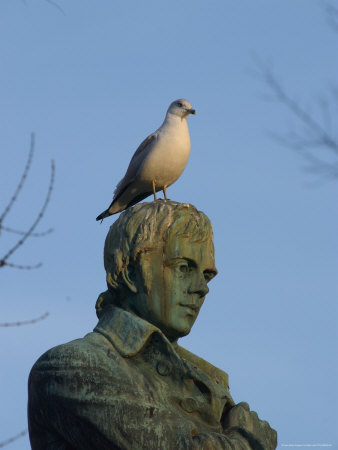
191	308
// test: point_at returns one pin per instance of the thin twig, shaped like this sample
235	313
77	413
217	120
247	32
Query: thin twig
56	6
332	16
19	266
280	94
37	220
22	233
311	135
22	180
14	438
24	322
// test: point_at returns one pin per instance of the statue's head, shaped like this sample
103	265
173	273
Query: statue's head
159	258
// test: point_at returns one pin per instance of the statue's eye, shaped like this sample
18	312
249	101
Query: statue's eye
184	268
179	104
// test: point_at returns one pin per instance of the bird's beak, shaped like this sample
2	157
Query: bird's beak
191	111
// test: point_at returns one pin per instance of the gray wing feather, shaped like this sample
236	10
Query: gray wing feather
139	156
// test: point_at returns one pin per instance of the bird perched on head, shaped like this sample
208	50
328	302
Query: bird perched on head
157	163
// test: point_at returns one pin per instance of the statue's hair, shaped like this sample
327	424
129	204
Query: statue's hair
144	228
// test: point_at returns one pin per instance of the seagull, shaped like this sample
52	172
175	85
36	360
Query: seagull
157	163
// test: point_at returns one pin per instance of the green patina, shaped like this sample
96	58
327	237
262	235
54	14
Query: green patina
128	384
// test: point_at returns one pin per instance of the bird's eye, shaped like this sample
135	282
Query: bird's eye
179	104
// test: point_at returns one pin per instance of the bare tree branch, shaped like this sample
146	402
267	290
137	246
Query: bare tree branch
24	322
311	133
51	2
332	16
56	6
20	266
22	233
27	234
21	182
323	137
14	438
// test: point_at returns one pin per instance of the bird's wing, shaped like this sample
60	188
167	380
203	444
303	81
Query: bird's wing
143	146
139	156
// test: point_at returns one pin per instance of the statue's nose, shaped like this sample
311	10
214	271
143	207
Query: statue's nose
199	285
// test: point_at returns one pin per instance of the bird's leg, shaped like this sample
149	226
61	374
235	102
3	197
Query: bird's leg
165	192
154	190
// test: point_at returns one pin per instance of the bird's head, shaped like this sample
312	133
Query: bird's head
181	108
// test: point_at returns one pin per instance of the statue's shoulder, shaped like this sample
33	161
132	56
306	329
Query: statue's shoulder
84	352
217	375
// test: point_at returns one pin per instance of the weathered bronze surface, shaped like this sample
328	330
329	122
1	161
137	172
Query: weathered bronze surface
128	384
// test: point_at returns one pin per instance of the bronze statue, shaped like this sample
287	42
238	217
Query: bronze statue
128	384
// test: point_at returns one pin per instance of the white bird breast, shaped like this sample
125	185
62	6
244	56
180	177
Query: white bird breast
166	162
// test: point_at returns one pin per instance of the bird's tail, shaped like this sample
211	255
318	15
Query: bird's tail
103	215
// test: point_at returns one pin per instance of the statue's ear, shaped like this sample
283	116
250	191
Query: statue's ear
127	273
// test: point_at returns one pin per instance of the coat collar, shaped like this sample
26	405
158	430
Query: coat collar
126	331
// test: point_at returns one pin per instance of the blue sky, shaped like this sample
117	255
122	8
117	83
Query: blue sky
96	80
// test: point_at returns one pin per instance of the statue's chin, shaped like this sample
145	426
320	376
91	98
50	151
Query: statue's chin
174	334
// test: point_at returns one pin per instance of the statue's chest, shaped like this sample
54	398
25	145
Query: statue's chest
167	382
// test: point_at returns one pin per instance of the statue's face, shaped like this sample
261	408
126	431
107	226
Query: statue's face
176	285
